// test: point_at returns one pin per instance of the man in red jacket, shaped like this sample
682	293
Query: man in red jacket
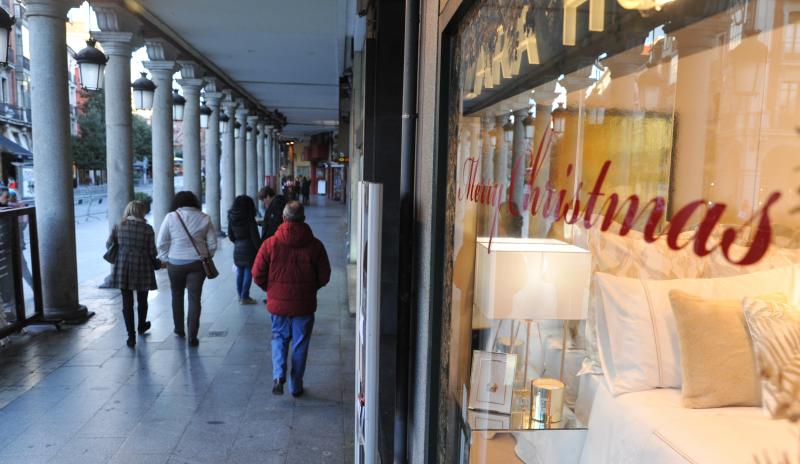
291	266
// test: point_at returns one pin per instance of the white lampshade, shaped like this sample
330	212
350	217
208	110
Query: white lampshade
531	279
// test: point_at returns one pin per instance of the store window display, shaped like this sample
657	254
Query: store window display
661	140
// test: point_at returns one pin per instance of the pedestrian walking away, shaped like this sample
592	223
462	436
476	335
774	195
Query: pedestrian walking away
186	237
134	264
305	190
273	214
291	266
243	232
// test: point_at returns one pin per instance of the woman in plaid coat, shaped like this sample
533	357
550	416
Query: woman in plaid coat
135	264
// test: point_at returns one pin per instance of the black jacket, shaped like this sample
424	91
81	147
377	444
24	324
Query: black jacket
243	232
273	217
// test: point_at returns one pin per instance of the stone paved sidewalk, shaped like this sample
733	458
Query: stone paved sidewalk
81	396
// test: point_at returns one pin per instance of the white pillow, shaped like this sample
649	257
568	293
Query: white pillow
638	341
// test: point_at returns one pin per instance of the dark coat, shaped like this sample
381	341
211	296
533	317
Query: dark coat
291	266
243	232
134	268
273	217
305	188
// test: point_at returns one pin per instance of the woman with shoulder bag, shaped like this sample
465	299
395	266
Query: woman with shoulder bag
187	242
132	251
243	232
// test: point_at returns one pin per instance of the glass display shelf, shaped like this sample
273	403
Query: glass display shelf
518	420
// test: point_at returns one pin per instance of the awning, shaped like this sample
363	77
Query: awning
18	151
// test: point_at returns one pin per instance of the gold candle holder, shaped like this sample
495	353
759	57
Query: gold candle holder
547	401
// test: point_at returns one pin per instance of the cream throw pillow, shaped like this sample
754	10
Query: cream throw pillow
717	361
775	328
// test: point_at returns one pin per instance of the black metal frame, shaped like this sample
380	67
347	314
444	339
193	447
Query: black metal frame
14	241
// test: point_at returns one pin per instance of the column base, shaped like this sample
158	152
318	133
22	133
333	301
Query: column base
78	315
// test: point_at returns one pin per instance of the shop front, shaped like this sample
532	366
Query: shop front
621	232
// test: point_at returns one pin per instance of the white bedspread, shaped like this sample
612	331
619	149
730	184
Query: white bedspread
652	427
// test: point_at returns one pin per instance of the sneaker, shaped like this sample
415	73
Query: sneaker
144	328
277	387
298	393
247	301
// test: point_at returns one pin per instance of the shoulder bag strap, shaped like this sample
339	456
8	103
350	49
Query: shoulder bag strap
188	234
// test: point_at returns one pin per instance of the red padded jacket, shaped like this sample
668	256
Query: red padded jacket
291	266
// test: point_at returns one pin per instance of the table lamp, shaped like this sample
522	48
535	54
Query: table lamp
534	279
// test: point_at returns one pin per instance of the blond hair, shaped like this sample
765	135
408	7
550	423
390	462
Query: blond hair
136	209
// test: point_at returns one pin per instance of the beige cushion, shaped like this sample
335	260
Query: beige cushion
717	361
775	329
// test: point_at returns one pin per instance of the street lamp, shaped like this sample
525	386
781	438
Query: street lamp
143	91
91	66
205	113
508	131
6	26
528	122
249	132
237	129
559	118
178	102
223	122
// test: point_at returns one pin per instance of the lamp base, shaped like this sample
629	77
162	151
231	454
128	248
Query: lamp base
547	400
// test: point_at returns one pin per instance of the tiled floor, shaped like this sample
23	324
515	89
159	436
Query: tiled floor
81	396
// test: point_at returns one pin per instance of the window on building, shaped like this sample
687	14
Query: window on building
791	33
26	42
787	96
4	89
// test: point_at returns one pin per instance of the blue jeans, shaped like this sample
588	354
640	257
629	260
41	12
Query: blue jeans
243	280
298	330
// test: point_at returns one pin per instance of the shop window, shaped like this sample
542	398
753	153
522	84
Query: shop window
641	161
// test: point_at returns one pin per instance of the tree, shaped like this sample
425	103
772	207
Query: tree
142	138
89	146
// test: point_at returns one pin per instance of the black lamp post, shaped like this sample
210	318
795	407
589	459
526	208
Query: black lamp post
143	91
223	122
205	113
528	122
237	128
508	131
249	132
6	26
559	118
178	103
91	66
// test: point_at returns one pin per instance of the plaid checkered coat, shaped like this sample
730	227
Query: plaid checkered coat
136	261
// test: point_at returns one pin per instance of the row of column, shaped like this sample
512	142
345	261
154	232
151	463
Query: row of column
233	166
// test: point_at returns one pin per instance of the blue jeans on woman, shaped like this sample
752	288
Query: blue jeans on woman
243	280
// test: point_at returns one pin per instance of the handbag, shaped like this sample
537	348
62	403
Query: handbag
111	252
208	264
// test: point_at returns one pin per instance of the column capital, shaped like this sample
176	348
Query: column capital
161	69
242	111
252	119
115	42
212	85
213	99
521	113
488	121
577	80
191	87
190	69
51	8
260	126
229	107
159	50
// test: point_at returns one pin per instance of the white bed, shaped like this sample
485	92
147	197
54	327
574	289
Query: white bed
653	427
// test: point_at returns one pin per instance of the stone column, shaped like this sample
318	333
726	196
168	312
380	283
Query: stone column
519	157
55	213
269	167
260	159
251	161
228	147
240	156
191	85
544	96
276	160
501	150
119	140
213	99
487	149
